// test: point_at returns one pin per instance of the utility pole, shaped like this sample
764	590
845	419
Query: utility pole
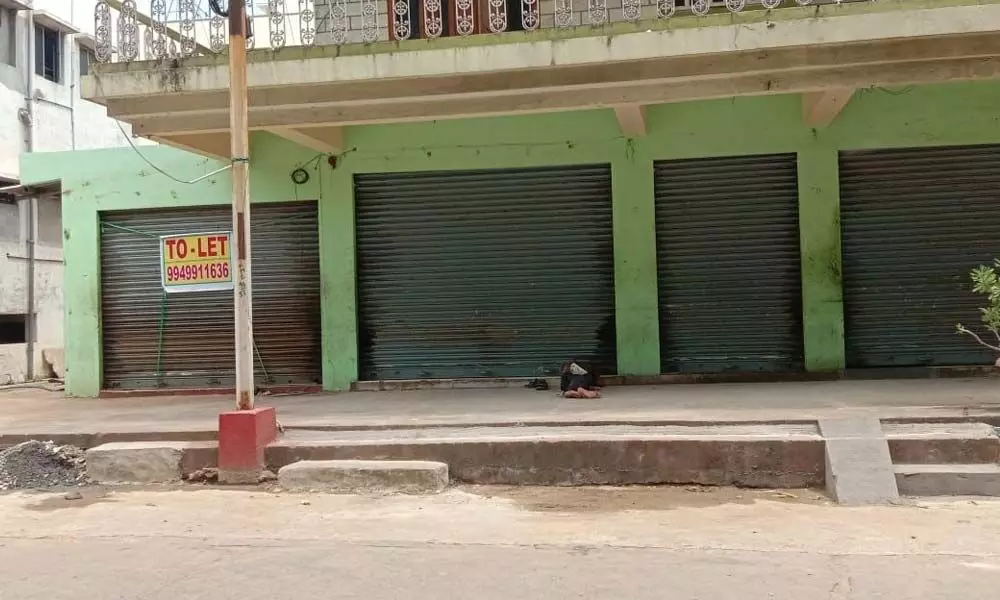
240	152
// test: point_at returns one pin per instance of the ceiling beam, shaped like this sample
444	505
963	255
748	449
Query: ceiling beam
334	115
819	109
631	119
212	145
329	140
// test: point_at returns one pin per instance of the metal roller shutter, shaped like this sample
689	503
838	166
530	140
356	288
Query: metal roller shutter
493	273
914	223
728	256
197	348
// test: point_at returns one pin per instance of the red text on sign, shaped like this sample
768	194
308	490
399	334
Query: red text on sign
205	247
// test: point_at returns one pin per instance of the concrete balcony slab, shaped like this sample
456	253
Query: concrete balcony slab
807	50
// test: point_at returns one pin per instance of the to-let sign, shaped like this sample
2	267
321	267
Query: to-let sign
196	262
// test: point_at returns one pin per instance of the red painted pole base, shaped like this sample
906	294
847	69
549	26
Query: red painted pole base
243	436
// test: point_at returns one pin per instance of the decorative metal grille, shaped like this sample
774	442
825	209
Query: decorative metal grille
631	9
598	10
564	13
184	28
497	16
465	17
433	19
529	14
369	21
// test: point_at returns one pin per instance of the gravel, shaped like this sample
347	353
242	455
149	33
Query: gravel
34	464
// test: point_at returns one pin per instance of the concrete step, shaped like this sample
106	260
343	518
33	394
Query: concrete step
365	476
767	456
747	455
771	455
942	443
948	480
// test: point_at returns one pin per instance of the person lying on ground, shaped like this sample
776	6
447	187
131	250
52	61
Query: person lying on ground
577	381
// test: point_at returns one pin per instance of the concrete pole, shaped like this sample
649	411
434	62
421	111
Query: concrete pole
240	152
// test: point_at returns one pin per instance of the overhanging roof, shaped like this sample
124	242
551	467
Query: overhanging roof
25	190
51	21
15	4
86	40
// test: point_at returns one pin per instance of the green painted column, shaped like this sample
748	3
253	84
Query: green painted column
636	298
82	297
338	282
272	161
819	239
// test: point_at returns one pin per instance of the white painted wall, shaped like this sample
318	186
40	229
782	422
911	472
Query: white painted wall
62	121
48	283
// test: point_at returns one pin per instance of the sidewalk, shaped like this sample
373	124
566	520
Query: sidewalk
35	413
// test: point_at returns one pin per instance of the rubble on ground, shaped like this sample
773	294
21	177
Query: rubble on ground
210	475
206	475
35	464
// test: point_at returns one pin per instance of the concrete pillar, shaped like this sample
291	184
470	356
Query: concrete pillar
82	291
819	245
636	298
338	281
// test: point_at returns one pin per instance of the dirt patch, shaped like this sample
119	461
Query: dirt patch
617	499
75	499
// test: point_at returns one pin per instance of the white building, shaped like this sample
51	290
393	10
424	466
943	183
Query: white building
45	46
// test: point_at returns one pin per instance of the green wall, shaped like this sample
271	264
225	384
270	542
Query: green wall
119	179
963	113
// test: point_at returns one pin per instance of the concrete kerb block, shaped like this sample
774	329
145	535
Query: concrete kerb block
139	462
365	476
859	469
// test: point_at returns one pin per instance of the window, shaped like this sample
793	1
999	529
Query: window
10	219
49	221
87	58
48	53
13	329
8	36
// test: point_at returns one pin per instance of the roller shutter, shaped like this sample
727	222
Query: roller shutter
197	346
492	273
914	223
728	255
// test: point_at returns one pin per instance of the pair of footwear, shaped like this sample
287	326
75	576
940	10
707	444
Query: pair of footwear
537	384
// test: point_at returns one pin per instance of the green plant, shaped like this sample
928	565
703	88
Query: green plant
986	281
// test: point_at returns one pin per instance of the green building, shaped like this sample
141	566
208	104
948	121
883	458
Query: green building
639	203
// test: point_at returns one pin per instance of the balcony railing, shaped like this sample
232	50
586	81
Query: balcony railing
184	28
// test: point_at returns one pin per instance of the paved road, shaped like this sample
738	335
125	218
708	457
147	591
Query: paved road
489	543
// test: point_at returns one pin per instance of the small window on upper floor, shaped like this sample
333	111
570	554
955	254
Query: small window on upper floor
8	36
48	53
87	58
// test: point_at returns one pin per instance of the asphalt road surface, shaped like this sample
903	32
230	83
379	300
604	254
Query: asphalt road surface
493	543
